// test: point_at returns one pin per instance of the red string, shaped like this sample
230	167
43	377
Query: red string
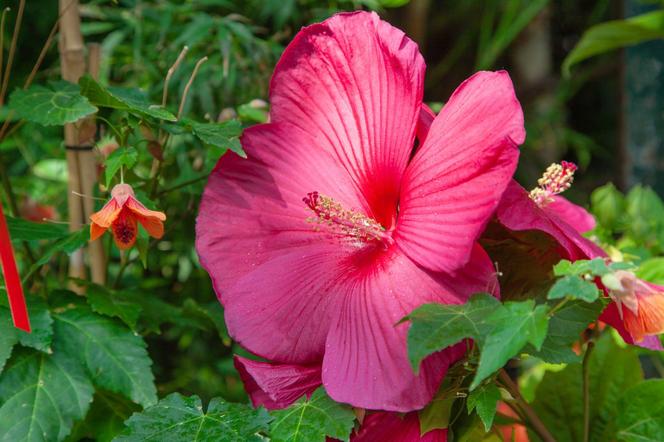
12	280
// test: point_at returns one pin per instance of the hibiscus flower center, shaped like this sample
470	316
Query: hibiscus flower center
556	179
338	220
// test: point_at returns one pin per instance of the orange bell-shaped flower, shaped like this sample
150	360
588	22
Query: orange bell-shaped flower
121	214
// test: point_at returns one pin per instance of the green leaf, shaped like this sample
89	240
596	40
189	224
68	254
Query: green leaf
608	205
252	114
23	230
123	157
41	324
596	267
515	325
574	287
436	415
115	357
565	328
312	420
59	103
437	326
652	270
133	101
105	419
558	398
641	416
42	396
178	418
224	136
67	244
113	303
645	215
615	34
8	335
484	401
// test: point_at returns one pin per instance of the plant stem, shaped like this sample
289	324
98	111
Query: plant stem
534	420
12	51
181	185
586	391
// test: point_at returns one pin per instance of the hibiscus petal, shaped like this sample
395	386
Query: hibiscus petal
283	309
573	214
454	182
355	84
252	210
276	386
517	211
391	427
366	361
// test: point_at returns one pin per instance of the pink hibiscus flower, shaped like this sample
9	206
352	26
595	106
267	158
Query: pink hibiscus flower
335	228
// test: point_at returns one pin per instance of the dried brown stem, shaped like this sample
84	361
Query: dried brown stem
12	51
171	71
188	86
2	36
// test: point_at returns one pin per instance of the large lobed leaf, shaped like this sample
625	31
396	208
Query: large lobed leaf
500	330
178	418
133	101
312	420
42	395
59	103
114	357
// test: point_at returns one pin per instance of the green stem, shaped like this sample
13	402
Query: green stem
184	184
535	422
586	391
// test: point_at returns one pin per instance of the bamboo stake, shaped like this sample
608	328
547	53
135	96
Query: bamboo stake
72	60
87	163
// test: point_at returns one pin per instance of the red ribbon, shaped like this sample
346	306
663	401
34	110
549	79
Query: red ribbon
12	279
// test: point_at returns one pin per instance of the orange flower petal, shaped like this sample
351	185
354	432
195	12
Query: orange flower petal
96	231
649	319
124	229
107	215
151	220
139	209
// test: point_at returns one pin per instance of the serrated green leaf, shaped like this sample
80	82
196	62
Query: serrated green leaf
641	417
113	303
223	135
115	357
312	420
41	395
565	328
123	157
8	336
574	287
615	34
178	418
436	415
484	401
131	100
41	324
59	103
437	326
23	230
105	419
515	325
